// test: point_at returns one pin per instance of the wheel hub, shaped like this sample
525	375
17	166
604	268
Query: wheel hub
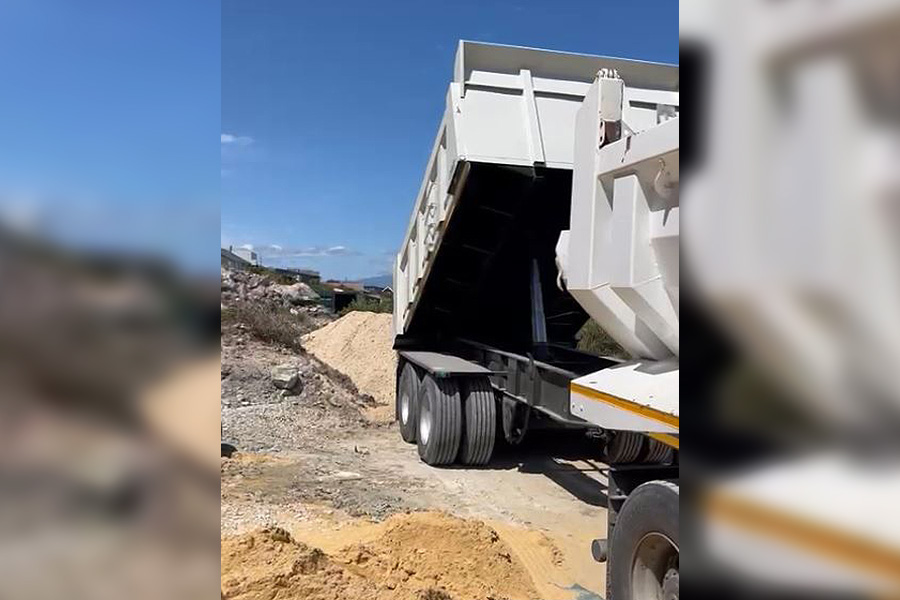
424	423
654	571
670	585
404	408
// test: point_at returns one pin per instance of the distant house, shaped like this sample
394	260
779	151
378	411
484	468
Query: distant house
356	286
248	255
341	298
232	261
378	290
304	275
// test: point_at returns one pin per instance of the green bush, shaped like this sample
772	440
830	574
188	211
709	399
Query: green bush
271	324
382	305
591	338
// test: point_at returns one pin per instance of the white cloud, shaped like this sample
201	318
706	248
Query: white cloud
238	140
247	247
276	251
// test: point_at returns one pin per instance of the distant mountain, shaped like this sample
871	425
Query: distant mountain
379	280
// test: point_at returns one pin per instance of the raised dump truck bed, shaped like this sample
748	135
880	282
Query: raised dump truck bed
476	281
551	197
496	195
479	258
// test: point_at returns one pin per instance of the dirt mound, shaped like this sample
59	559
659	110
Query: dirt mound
420	555
422	551
359	345
270	565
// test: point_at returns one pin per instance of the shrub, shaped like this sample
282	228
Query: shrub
592	339
271	324
382	305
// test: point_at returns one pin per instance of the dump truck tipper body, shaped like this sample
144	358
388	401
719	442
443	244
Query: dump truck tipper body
496	193
504	260
493	233
552	197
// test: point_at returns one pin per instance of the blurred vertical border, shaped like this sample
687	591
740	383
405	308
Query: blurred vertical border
109	299
790	462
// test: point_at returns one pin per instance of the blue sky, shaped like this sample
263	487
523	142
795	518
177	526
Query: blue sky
109	122
329	109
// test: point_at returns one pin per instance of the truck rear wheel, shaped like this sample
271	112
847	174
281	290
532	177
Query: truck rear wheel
643	559
408	402
479	421
440	420
624	447
627	447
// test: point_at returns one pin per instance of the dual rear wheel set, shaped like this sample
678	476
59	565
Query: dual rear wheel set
455	420
450	419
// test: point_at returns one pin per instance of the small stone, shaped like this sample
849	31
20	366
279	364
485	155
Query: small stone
285	377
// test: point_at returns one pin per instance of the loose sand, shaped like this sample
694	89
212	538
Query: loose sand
428	555
359	346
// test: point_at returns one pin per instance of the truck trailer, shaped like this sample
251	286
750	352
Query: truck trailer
550	198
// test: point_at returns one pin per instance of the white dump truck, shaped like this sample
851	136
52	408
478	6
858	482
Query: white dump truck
551	198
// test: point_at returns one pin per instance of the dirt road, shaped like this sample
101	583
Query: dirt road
314	466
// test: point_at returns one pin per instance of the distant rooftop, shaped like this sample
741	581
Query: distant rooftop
229	255
309	272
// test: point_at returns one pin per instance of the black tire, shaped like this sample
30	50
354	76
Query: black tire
644	548
624	447
408	391
514	419
439	420
657	453
479	421
228	450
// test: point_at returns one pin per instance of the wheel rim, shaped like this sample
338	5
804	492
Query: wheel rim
424	422
404	408
654	556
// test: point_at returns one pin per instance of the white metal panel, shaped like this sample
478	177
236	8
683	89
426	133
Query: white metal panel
494	125
633	396
622	248
556	117
506	105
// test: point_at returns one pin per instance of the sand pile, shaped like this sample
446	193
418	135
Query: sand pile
270	565
359	346
422	551
415	556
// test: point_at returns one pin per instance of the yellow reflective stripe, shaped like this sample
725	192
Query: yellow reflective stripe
644	411
845	547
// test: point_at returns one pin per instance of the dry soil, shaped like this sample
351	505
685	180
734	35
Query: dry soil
355	512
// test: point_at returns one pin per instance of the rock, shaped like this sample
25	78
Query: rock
295	293
228	450
286	377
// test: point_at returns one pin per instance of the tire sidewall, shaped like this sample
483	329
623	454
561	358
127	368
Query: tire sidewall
443	403
426	400
651	507
410	384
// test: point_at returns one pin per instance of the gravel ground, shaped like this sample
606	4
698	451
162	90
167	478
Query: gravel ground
314	459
